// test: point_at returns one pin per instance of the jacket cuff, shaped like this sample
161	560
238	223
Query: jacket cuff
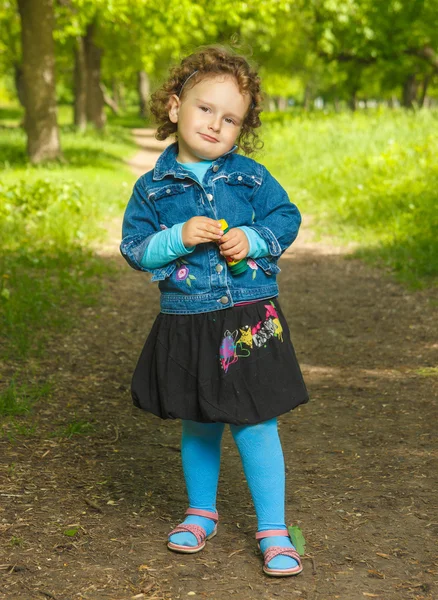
266	234
257	245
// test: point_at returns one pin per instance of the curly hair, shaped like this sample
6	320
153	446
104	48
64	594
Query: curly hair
205	62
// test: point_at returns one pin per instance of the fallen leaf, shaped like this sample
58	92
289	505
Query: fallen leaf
383	555
297	537
235	552
374	573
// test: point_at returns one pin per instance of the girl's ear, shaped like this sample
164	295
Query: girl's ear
174	104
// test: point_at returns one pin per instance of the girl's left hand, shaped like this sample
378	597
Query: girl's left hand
234	244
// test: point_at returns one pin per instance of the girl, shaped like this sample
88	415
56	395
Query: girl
219	351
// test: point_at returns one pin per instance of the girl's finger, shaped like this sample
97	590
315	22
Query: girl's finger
227	245
210	229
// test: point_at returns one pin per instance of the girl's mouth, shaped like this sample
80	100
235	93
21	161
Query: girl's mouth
208	138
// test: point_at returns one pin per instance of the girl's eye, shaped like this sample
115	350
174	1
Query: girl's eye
228	120
204	108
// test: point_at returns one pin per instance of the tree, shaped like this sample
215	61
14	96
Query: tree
39	80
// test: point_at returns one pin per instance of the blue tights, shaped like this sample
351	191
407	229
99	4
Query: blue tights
263	463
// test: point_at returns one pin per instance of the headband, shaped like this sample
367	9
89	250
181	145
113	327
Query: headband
182	87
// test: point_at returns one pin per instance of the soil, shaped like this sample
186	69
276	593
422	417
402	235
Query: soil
361	457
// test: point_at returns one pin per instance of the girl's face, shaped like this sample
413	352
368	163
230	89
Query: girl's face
209	118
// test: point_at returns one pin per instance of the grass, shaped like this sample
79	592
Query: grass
19	399
75	428
49	217
369	178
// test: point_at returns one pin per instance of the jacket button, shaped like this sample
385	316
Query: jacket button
240	178
219	268
224	300
168	191
215	168
209	197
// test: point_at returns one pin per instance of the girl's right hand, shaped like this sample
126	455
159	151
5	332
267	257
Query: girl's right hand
199	230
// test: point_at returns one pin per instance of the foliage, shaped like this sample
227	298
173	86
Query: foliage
49	218
332	48
370	179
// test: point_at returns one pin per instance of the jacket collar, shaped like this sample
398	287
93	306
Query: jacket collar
168	165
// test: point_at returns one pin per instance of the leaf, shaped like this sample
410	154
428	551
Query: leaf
254	273
192	277
297	537
71	532
5	293
189	283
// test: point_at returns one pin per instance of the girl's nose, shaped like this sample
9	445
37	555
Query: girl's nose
215	124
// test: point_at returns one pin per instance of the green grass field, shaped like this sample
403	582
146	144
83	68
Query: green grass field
49	217
370	178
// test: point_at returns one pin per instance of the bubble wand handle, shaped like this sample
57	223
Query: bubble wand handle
236	266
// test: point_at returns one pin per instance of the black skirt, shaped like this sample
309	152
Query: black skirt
236	365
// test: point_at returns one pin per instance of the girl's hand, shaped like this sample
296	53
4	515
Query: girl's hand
234	244
199	230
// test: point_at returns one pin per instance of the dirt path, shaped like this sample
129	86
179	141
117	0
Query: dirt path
360	456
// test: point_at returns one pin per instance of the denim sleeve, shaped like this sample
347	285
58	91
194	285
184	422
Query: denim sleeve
277	220
164	247
258	247
140	225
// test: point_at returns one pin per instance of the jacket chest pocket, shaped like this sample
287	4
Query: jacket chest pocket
174	203
239	188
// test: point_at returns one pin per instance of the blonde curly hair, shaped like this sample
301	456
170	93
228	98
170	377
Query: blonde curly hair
205	62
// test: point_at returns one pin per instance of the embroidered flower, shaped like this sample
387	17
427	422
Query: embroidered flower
254	266
182	273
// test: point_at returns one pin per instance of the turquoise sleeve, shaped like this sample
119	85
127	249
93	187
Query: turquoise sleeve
258	247
164	247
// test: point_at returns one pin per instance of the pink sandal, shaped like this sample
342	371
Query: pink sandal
198	531
274	551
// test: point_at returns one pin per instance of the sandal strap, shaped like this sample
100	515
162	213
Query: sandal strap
198	531
203	513
272	533
274	551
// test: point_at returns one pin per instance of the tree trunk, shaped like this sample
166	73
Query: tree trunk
116	90
410	89
40	120
307	96
426	80
19	83
80	85
95	102
282	103
109	101
121	95
352	103
143	92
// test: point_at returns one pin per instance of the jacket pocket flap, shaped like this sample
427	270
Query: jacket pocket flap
268	266
242	179
165	192
162	273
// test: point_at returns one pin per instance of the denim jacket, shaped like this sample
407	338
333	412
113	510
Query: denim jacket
235	188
